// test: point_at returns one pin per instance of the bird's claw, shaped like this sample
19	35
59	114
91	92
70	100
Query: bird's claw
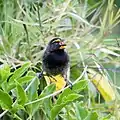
70	84
40	75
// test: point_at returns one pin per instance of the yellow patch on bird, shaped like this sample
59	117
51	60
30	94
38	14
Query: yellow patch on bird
57	79
56	41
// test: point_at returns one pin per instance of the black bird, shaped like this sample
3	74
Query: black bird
55	63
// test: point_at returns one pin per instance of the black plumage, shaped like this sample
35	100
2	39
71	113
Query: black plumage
56	60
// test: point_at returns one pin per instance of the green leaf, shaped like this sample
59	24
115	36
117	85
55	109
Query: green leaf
19	72
33	95
4	73
67	96
76	88
80	112
10	86
16	117
74	72
21	81
5	100
107	117
79	86
57	107
32	91
21	95
92	116
16	107
48	90
31	73
117	2
46	103
16	76
25	79
64	94
93	2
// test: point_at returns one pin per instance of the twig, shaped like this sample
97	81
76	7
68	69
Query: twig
26	31
53	94
39	18
40	23
27	35
3	113
30	84
57	92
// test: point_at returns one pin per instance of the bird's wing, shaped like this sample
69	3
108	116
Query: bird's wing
57	79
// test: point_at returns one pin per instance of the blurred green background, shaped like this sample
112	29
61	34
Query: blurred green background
91	29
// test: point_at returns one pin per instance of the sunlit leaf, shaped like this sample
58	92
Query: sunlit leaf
109	52
25	79
92	116
5	100
4	73
19	72
66	100
21	95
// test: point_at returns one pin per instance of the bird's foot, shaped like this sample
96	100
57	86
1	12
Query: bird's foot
39	75
69	83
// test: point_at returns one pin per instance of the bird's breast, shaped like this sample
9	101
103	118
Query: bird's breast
57	59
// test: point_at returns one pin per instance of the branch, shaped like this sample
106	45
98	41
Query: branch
57	92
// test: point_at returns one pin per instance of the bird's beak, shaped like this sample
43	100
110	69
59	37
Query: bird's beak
62	45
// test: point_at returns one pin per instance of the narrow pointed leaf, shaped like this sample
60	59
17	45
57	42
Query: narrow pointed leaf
21	95
5	100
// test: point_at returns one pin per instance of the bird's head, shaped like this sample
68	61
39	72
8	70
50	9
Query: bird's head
56	44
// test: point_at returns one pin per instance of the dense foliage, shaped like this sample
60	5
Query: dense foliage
91	30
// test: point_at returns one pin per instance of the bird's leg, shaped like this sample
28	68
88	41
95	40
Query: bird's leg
67	76
40	75
69	83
